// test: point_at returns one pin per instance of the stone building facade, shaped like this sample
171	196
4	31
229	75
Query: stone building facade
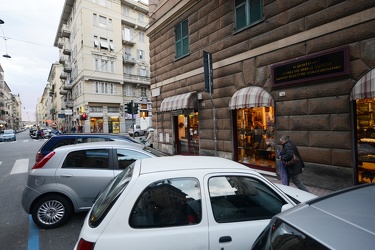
318	113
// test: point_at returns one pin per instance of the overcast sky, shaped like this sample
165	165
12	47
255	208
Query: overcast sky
27	35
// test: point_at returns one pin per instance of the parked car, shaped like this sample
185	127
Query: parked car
341	220
69	178
183	202
136	130
68	139
7	135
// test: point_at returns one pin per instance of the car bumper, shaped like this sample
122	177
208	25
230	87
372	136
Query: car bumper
28	197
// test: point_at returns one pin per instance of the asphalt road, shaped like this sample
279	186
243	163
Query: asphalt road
17	230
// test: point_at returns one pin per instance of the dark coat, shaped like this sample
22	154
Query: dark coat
287	154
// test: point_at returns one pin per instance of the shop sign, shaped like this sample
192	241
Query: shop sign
68	112
61	115
318	66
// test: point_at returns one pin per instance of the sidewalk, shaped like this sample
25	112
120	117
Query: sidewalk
315	190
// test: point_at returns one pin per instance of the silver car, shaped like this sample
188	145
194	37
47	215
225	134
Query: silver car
7	135
69	178
341	220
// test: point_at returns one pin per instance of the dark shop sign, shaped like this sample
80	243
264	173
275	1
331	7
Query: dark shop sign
314	67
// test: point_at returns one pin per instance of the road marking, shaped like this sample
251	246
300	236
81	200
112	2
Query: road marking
33	242
25	140
20	166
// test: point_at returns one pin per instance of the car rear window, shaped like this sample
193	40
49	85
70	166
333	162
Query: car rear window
168	203
109	196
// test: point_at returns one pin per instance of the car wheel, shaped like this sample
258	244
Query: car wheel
51	211
136	134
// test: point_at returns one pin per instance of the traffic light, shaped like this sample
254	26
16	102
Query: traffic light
128	108
135	109
84	116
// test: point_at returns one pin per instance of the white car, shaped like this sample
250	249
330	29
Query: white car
183	202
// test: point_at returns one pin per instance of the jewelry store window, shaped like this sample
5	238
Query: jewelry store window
365	113
254	130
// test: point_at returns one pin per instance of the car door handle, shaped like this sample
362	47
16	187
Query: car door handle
66	176
225	239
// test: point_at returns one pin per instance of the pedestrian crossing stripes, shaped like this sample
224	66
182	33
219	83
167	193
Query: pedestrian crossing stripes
20	166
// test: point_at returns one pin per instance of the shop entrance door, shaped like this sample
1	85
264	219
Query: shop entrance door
186	134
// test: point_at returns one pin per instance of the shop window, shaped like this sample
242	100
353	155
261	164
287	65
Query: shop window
255	136
247	12
182	39
365	113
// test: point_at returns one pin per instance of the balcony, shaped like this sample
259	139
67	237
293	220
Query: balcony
63	91
63	76
62	59
67	68
65	31
68	86
60	43
126	40
52	93
66	49
129	60
137	79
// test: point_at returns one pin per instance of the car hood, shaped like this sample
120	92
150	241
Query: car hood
300	195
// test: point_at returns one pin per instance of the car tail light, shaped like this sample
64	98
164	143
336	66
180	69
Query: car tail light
43	161
38	157
85	245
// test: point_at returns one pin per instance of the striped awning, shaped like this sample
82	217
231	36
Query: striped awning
365	87
183	101
251	97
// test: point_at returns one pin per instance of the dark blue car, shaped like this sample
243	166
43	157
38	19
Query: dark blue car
69	139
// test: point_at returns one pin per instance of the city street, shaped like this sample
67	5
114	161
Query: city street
17	230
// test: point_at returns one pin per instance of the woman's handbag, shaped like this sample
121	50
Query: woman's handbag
292	161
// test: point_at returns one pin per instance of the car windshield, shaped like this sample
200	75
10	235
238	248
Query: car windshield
109	196
8	131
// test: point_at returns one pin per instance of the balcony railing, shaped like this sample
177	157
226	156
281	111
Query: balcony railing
65	30
137	79
129	59
63	75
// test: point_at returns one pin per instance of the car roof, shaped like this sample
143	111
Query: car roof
347	217
101	144
178	163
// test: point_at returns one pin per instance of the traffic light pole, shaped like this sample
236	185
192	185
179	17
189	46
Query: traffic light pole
133	123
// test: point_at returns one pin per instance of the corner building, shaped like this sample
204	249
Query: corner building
104	55
299	68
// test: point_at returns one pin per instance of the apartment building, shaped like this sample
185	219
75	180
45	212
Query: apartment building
10	106
299	68
104	55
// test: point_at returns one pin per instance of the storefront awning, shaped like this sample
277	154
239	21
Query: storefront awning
2	122
251	97
183	101
365	87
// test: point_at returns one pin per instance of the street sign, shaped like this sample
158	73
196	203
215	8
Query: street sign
207	63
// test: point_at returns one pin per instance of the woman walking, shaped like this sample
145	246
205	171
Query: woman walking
292	161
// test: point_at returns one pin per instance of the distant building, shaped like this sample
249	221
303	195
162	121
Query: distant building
105	60
299	68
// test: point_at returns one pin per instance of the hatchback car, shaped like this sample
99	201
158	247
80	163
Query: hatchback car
341	220
68	139
7	135
70	177
183	202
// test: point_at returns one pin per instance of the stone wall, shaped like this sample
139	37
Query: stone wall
316	115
